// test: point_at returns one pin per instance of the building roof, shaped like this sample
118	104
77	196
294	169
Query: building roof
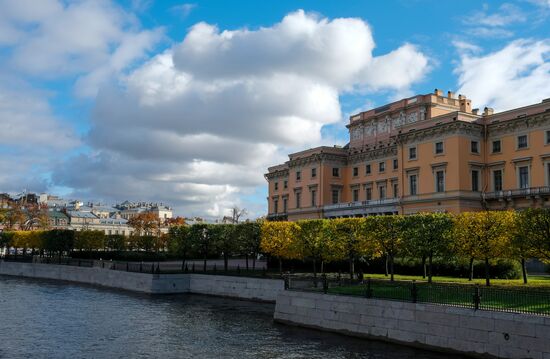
78	214
57	214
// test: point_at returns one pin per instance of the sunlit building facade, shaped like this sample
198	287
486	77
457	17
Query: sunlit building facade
429	152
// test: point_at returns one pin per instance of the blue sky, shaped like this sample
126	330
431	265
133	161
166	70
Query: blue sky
188	103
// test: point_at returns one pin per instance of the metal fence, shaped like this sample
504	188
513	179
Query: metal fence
516	300
146	267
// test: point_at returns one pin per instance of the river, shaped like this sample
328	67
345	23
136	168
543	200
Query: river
43	319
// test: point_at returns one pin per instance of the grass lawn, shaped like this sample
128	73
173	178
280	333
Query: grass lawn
507	295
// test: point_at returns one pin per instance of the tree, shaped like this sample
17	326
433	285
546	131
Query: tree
237	213
15	216
202	240
312	242
115	242
428	236
145	223
59	241
350	240
484	235
89	240
179	242
225	238
531	236
249	240
278	240
387	231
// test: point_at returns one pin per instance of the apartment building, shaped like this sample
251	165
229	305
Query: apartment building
429	152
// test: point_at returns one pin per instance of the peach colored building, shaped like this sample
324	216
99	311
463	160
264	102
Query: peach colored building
429	152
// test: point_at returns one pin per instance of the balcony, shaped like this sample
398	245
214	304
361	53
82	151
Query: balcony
531	192
388	205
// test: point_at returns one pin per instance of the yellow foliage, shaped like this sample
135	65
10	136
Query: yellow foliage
279	239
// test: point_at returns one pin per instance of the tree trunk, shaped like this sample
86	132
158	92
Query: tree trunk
386	267
524	270
254	262
322	267
423	267
471	277
225	261
204	264
314	273
430	268
487	278
351	267
391	267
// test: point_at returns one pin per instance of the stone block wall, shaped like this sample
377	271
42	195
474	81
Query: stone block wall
239	287
477	333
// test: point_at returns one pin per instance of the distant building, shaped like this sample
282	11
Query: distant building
57	220
129	210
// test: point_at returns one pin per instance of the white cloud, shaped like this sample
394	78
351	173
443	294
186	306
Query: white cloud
198	125
52	38
183	9
488	23
514	76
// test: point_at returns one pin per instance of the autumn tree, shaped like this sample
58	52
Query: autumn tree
532	236
427	235
145	223
249	240
387	232
278	240
89	240
312	242
483	235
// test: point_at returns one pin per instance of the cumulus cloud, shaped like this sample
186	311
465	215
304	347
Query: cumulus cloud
198	124
53	38
514	76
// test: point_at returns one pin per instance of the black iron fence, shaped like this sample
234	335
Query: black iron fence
496	298
172	267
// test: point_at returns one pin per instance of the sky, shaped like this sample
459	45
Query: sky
190	103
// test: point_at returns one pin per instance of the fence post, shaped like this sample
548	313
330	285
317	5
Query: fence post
368	292
158	267
79	262
127	267
339	278
414	291
215	269
193	268
477	297
152	268
186	268
325	283
140	267
238	269
287	281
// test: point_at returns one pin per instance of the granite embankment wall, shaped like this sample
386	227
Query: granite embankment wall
476	333
228	286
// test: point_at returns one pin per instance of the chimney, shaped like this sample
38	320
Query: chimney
475	111
450	94
438	92
465	105
488	111
461	97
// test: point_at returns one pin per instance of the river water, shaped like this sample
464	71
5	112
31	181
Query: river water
42	319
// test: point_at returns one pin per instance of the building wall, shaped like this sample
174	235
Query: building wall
447	119
443	328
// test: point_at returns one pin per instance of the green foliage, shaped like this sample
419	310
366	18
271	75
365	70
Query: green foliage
58	240
115	242
89	240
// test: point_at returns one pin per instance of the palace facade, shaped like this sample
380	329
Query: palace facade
429	152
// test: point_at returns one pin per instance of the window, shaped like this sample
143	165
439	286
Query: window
382	192
475	180
381	166
335	172
355	195
412	153
369	193
395	164
440	181
313	172
524	177
298	175
522	141
275	206
285	204
412	185
285	184
335	196
367	169
497	180
355	171
395	190
276	186
548	137
313	198
474	147
298	199
438	148
496	146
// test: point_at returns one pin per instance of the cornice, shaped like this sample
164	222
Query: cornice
276	174
518	124
378	153
318	158
455	127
